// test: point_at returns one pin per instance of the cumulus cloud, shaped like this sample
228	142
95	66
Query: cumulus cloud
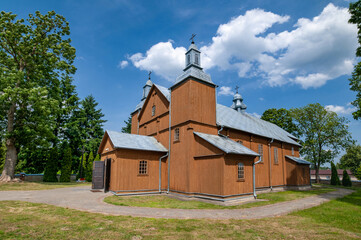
255	115
315	51
162	59
225	91
123	64
340	109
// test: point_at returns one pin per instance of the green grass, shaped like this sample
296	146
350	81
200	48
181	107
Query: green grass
164	201
27	186
337	219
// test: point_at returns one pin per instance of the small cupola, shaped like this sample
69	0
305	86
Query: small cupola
147	87
238	104
193	56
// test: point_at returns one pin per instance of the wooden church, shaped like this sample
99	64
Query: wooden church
182	141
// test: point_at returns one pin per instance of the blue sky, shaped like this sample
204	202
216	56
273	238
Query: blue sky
282	54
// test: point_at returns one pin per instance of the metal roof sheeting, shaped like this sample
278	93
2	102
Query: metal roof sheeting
243	121
298	160
165	91
135	142
196	73
226	145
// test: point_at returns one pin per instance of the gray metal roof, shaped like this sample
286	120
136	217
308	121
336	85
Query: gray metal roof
226	145
298	160
243	121
165	91
135	142
196	73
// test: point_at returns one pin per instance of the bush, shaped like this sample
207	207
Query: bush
51	167
346	181
66	166
89	168
81	169
335	180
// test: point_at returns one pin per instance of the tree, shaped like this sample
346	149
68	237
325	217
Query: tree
355	80
66	165
89	167
128	126
51	169
282	118
346	181
335	180
323	133
34	55
82	164
358	173
352	158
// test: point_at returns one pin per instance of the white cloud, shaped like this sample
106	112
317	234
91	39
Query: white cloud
162	59
340	109
315	51
261	99
255	115
225	91
123	64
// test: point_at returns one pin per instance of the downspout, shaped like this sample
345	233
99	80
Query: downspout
220	130
170	133
270	163
160	171
254	178
138	122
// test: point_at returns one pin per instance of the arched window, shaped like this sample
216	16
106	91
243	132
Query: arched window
188	59
240	171
196	59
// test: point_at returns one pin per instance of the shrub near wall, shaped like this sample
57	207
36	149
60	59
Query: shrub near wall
51	168
335	180
66	166
346	181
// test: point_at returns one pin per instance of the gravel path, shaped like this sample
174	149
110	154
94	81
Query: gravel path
82	199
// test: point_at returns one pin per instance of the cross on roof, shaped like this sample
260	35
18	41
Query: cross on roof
150	72
192	38
236	88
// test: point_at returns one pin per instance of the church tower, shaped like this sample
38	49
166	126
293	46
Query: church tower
238	104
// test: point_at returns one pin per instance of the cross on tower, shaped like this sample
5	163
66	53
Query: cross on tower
236	89
150	72
192	38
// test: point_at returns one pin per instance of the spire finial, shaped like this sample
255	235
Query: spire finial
150	72
192	38
236	88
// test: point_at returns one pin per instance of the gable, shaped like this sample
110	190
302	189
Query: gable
106	144
155	98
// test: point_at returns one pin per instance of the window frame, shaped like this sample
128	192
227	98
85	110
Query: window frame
293	151
260	152
275	156
240	172
143	168
176	135
153	110
196	58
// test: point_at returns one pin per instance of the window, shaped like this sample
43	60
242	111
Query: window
188	59
153	110
293	151
196	59
240	171
176	134
143	170
275	155
260	152
240	142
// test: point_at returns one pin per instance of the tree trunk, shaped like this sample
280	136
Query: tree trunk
11	154
317	176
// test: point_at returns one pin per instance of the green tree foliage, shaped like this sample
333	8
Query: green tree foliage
128	126
81	169
51	168
34	55
352	158
97	157
66	165
358	173
323	133
346	181
355	80
89	167
282	118
335	180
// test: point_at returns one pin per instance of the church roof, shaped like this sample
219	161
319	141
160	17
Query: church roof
195	73
226	145
165	91
135	142
298	160
243	121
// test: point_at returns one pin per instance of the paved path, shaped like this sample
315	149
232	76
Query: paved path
82	199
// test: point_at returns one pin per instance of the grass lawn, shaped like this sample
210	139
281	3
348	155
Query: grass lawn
27	186
163	201
337	219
